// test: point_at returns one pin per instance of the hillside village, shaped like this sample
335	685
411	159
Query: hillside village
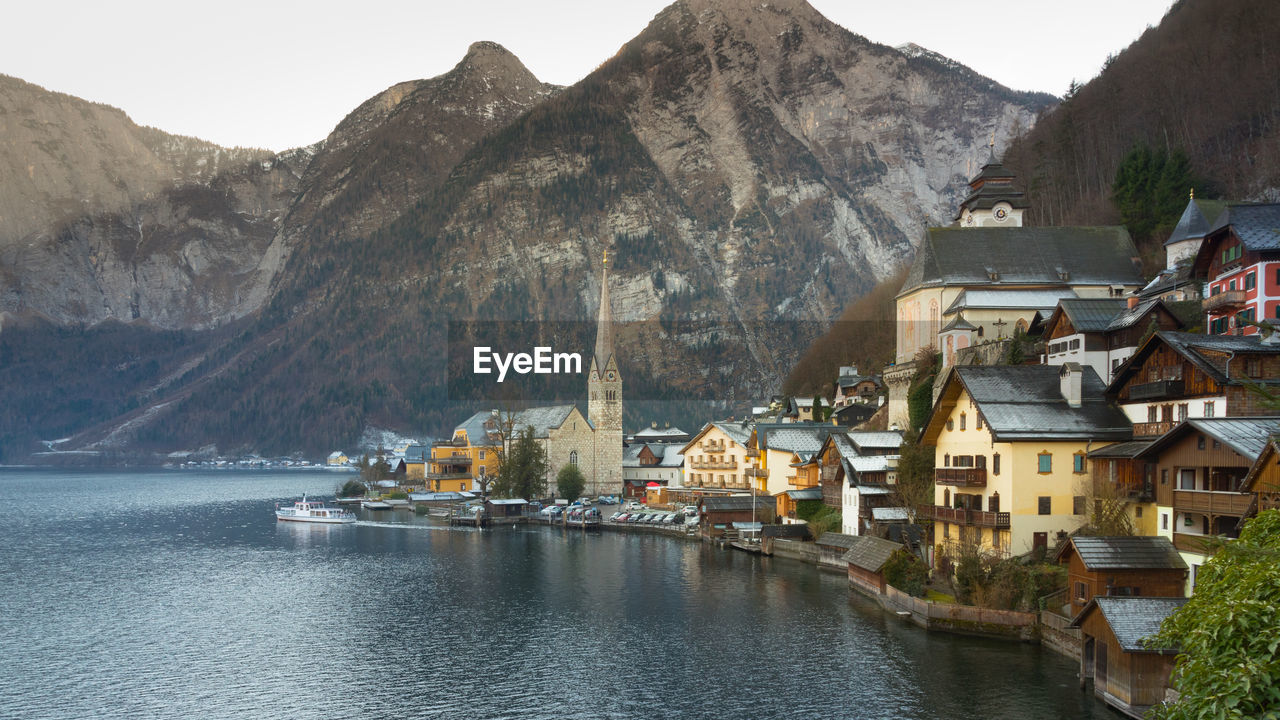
1048	408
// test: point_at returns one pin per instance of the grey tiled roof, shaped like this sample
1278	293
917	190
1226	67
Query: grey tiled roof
796	437
1042	300
870	463
874	439
1134	618
835	539
1092	314
1128	553
735	431
958	323
671	456
1130	449
1126	317
416	453
541	419
1025	255
887	514
475	427
764	503
1258	226
1025	402
1246	435
812	493
1197	218
870	553
1199	350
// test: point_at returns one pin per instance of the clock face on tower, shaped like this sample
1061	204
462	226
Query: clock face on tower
1001	213
609	375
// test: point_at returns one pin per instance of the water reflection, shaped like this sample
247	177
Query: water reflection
175	596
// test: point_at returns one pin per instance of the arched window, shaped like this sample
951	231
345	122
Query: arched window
946	460
963	418
573	458
946	497
995	464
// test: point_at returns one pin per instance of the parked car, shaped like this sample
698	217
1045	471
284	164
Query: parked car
620	517
633	505
637	518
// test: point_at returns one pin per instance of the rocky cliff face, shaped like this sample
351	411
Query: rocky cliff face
749	166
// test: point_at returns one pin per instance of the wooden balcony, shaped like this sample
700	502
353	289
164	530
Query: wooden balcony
1157	390
449	476
1200	544
1152	429
711	447
460	460
1209	502
961	477
753	452
756	472
961	516
704	465
1224	302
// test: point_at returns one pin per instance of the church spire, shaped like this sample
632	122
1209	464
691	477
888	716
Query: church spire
604	323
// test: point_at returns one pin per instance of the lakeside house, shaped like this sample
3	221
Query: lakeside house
865	560
1127	674
717	457
1200	491
719	513
1011	444
1121	566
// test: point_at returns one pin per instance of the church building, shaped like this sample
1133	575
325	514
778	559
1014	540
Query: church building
593	441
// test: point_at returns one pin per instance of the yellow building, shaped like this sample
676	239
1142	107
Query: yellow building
718	457
1011	461
470	455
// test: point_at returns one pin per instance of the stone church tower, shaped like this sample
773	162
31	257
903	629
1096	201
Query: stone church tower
604	401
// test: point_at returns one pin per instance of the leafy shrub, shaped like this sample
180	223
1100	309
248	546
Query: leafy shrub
906	572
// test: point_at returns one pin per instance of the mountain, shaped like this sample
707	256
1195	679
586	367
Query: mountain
749	167
1204	82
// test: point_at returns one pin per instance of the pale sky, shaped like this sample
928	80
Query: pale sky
280	74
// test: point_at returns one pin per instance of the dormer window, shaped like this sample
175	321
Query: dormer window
1063	274
993	274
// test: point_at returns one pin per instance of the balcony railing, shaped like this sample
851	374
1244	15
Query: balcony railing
961	516
712	447
1152	429
756	472
451	460
961	477
753	452
1224	301
1156	390
449	476
1209	502
1201	544
704	465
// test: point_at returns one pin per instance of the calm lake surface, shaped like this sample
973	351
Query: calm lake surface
177	595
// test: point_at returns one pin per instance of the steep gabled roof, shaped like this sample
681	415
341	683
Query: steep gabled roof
1053	256
1257	225
1132	619
1025	402
1247	436
1208	353
870	553
1124	553
1197	218
1088	314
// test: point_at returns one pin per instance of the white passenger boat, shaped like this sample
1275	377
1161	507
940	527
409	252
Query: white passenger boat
314	512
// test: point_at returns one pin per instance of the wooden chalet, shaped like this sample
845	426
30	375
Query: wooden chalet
1201	467
1103	332
718	514
1127	674
1263	478
832	547
1175	376
1121	566
866	559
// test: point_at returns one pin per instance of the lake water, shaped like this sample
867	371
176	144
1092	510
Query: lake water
178	595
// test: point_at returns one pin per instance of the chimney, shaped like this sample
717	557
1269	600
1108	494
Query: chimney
1069	379
1133	301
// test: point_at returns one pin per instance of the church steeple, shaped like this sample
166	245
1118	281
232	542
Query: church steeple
992	199
604	322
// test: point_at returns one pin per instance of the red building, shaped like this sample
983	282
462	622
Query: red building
1240	262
